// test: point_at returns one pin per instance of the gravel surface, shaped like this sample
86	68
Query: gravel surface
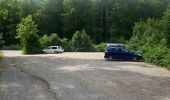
80	76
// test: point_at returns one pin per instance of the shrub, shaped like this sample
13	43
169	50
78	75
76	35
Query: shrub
65	43
81	42
27	33
52	40
101	47
150	39
12	47
44	41
1	55
32	45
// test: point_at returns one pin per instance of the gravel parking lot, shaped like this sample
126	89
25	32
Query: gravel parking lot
80	76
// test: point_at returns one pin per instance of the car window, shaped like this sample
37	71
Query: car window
125	50
54	47
111	49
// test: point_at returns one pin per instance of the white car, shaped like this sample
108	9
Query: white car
53	49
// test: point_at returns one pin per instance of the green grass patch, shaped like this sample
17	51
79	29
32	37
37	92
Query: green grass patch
1	55
0	80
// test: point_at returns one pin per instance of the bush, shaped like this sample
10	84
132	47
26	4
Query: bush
44	41
1	41
12	47
150	39
1	55
32	45
101	47
65	43
52	40
81	42
27	33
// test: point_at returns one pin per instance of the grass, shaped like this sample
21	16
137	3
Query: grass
1	55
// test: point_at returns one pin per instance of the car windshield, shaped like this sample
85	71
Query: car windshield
48	47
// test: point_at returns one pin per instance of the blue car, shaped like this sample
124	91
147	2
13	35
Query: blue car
121	54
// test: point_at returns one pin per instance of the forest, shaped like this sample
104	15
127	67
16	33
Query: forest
87	25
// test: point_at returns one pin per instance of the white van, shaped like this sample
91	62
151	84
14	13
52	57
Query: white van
53	49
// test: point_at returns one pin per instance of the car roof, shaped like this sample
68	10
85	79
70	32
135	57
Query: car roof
55	46
114	48
115	44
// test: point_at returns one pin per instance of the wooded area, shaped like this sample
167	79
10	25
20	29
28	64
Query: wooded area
89	23
103	20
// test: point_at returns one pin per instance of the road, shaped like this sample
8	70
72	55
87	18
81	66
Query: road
80	76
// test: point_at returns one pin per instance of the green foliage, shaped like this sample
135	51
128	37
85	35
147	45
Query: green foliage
1	55
27	33
1	41
101	47
104	20
81	42
54	39
44	41
3	13
12	47
65	43
51	40
151	39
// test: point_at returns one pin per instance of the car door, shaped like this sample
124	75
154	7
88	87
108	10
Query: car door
125	54
118	53
48	50
54	49
114	53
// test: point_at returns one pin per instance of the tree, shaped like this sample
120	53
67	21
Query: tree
103	20
81	42
166	25
27	33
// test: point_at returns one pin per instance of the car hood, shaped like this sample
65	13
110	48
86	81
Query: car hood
136	54
45	49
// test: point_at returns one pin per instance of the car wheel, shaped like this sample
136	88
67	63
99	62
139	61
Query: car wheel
44	52
110	58
135	59
55	52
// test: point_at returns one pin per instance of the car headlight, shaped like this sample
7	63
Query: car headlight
139	54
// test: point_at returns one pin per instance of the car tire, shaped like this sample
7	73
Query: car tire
55	52
135	59
110	58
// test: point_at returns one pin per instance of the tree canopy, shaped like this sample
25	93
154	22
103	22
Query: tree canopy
103	20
